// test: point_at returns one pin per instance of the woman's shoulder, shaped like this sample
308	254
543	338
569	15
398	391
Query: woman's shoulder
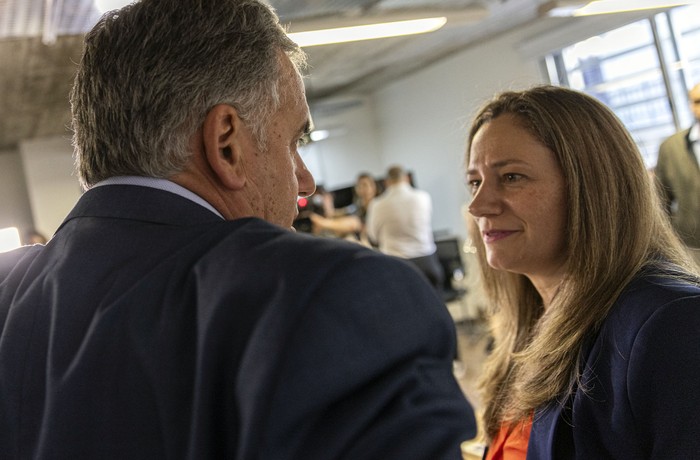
641	370
659	285
655	288
657	295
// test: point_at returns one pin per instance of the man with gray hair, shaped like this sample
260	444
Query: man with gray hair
174	314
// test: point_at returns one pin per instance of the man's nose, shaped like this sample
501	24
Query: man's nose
307	184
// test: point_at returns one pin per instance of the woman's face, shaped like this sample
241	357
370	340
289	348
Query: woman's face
365	188
518	201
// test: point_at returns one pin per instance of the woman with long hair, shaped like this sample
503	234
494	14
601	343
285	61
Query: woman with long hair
595	302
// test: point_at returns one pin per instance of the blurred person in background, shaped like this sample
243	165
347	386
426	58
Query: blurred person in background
399	223
678	172
349	224
595	301
365	191
174	314
318	203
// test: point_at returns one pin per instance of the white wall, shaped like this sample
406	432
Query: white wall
51	182
15	210
423	119
352	145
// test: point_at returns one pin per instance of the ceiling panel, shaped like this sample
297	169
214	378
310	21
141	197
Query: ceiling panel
31	18
39	49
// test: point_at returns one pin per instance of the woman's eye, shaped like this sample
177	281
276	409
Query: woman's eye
512	177
473	184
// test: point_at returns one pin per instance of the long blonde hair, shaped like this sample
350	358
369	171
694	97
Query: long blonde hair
616	225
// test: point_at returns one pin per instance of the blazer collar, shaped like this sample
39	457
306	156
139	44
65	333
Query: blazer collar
140	203
694	132
162	184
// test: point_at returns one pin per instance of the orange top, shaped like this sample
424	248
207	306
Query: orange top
510	442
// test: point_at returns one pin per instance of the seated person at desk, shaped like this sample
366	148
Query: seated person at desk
344	224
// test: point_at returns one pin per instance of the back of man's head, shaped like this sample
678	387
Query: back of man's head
151	71
395	174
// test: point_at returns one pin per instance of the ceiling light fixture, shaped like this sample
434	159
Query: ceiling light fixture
319	134
344	28
367	31
581	8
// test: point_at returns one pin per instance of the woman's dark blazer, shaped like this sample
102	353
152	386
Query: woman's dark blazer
639	397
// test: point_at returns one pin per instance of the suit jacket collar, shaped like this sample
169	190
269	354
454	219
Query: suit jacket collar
694	132
688	141
145	204
693	142
159	183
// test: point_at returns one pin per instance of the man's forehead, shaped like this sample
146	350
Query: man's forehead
293	82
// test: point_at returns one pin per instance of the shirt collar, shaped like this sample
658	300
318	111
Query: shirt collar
160	184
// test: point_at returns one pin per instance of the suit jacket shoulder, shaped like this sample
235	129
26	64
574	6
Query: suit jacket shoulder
150	328
638	392
342	303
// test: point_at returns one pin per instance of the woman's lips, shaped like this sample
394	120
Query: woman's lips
492	236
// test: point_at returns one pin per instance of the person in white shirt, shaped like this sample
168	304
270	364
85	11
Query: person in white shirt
399	222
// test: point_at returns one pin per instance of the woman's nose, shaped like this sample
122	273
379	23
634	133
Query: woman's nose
485	201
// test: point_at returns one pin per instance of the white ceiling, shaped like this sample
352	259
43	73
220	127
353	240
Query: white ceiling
41	41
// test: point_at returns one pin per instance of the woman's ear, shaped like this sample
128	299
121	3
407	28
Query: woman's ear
221	131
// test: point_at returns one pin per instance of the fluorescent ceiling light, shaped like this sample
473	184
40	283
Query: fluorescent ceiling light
574	8
619	6
367	32
319	135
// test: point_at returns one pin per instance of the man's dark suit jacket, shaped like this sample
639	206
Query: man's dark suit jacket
150	328
640	395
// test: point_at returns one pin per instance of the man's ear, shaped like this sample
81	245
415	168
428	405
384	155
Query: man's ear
221	134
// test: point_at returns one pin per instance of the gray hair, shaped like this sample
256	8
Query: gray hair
151	72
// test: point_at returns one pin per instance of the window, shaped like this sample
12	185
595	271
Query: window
9	239
642	71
